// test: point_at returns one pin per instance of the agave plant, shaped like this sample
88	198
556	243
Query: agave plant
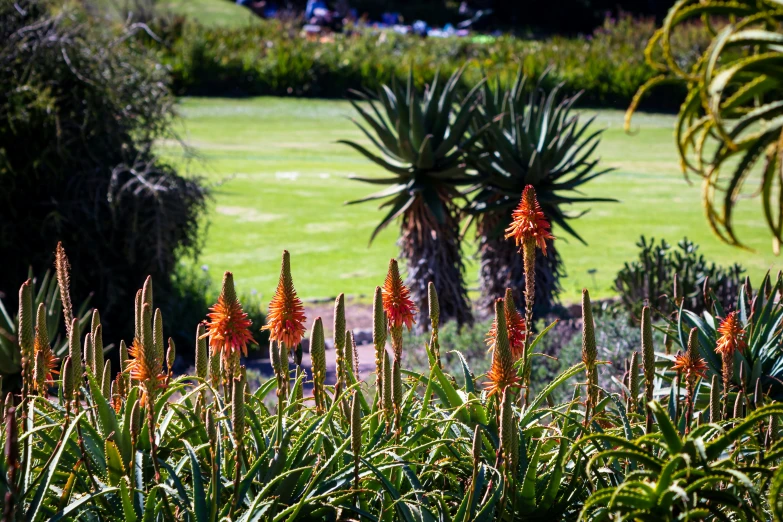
729	123
419	141
532	139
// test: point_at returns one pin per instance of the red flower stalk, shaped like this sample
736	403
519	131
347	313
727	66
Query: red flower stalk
397	302
732	338
228	328
145	366
515	326
501	374
286	317
41	344
732	335
691	365
528	221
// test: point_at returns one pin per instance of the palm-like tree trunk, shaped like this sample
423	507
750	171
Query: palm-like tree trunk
433	253
502	267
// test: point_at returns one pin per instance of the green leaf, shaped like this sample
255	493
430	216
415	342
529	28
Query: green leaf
114	465
528	491
665	425
49	471
74	508
199	495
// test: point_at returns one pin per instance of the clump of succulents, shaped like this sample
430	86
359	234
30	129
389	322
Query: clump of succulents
140	443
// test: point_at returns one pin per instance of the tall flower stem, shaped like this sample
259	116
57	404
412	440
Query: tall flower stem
589	356
732	338
529	257
530	229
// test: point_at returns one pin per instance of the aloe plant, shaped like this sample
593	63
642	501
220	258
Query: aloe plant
710	474
156	447
729	124
45	291
418	139
760	315
532	138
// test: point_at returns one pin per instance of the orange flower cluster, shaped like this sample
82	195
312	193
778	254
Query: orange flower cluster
528	221
50	361
228	328
397	302
286	317
515	325
692	365
143	367
501	374
732	335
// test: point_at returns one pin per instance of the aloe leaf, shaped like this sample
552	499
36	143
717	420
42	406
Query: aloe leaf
199	495
49	471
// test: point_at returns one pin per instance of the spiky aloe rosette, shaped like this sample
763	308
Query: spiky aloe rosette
236	460
420	140
729	123
527	137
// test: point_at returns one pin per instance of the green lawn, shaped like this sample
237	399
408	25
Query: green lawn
280	181
223	13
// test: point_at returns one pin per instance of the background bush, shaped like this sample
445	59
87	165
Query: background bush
651	278
272	58
81	105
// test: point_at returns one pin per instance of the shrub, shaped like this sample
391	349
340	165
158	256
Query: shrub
271	58
82	105
651	278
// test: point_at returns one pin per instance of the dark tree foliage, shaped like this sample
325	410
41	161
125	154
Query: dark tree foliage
550	17
568	16
81	105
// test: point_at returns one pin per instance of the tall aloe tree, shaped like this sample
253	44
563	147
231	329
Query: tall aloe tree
419	140
730	123
532	139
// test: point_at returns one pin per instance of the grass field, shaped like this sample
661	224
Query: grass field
280	181
222	13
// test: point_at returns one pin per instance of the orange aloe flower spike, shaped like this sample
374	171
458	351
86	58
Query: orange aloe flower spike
41	344
732	335
690	364
515	325
397	302
528	221
145	366
228	327
286	318
501	374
